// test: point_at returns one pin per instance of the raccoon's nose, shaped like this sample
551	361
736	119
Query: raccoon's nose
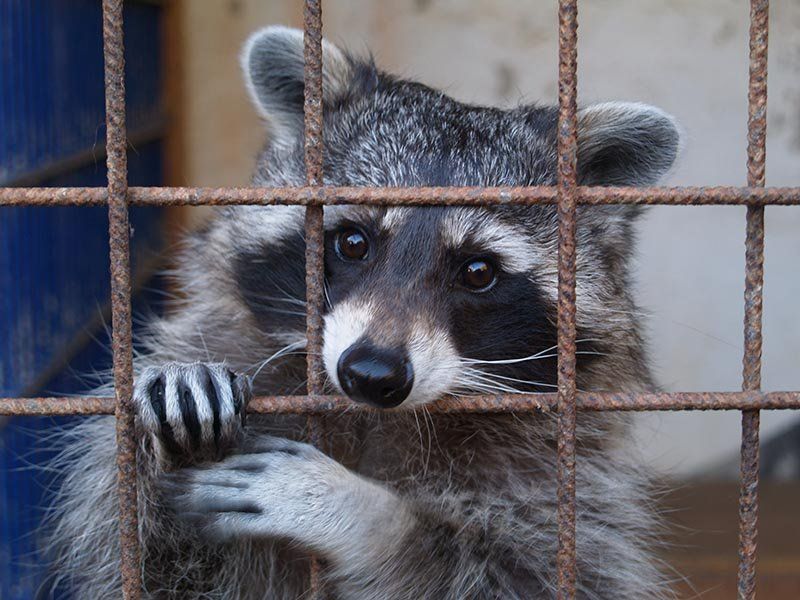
380	377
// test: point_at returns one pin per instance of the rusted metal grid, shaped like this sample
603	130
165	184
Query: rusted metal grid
566	194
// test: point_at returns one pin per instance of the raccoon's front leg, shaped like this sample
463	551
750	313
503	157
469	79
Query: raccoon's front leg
193	411
279	488
379	544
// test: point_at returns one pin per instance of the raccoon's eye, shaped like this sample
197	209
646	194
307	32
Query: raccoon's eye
478	274
352	244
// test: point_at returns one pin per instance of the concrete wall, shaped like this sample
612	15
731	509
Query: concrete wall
688	57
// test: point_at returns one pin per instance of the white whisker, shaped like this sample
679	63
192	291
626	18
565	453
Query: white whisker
506	378
286	350
539	355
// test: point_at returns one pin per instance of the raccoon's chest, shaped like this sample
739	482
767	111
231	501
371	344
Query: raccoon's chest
446	451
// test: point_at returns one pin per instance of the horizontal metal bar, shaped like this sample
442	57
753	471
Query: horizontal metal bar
466	196
57	406
587	401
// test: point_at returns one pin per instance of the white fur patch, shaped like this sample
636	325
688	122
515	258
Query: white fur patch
255	226
394	218
337	214
343	326
517	252
435	361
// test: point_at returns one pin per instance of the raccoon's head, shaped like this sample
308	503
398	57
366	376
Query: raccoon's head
424	302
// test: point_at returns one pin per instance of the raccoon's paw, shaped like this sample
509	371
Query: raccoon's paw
195	410
272	487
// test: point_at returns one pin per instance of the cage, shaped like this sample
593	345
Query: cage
119	197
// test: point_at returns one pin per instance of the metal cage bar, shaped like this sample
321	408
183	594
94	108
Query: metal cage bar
314	234
119	242
585	401
567	195
412	196
567	142
753	297
314	157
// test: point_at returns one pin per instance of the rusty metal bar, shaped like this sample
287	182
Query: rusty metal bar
324	404
314	177
753	300
314	233
567	213
585	401
57	406
424	196
119	241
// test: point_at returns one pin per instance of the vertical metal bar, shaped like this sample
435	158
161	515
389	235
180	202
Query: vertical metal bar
119	232
314	233
567	202
754	281
314	166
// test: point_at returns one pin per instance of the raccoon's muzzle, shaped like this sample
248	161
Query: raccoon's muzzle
380	377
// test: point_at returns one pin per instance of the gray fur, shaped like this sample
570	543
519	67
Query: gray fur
406	504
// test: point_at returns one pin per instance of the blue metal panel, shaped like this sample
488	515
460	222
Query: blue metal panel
54	270
51	78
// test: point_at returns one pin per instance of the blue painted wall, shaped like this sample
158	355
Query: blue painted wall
54	267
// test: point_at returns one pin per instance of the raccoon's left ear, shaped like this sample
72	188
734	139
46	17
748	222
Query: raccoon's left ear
625	143
272	63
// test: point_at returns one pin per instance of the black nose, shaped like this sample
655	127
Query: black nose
380	377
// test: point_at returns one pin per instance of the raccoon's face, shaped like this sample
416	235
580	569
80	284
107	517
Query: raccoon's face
428	301
424	302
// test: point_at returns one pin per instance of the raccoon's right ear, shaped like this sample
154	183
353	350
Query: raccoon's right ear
625	143
272	62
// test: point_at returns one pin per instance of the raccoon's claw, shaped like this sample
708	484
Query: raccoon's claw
195	410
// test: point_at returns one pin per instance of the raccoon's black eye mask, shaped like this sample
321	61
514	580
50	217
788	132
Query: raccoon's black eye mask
476	274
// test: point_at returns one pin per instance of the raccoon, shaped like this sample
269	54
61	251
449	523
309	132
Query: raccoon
421	303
